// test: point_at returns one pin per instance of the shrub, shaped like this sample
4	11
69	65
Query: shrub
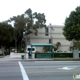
63	55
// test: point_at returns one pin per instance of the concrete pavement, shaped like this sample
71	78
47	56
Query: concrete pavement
8	58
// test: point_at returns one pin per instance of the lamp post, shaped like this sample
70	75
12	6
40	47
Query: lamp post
50	32
51	37
25	36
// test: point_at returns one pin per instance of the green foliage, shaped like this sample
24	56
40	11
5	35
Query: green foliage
19	24
6	34
6	37
29	23
46	48
76	44
63	55
58	44
34	21
71	29
43	55
55	55
37	52
55	47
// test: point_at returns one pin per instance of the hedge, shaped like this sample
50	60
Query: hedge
62	55
58	55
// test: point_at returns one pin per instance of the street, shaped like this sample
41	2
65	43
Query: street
38	70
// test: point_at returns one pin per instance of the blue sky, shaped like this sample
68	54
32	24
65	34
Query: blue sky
55	10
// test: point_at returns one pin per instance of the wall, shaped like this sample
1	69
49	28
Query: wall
57	36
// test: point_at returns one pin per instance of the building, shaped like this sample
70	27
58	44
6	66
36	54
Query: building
55	33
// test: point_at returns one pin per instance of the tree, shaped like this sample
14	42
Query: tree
30	22
76	44
58	44
71	29
55	47
34	21
19	25
46	48
6	35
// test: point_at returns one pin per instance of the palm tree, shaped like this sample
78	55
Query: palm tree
58	44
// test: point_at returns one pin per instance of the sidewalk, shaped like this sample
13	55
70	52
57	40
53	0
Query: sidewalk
7	58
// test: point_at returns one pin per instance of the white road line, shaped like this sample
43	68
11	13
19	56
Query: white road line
24	75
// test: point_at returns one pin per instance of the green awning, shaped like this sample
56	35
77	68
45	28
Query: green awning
41	44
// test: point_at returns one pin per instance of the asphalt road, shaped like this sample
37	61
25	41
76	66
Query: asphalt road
38	70
10	71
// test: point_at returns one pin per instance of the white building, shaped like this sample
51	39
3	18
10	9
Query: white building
44	36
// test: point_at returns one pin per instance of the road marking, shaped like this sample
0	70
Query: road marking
66	68
24	75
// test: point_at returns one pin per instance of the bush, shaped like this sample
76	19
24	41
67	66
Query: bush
57	55
37	52
59	50
22	51
43	55
63	55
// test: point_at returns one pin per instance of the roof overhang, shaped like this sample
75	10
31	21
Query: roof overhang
41	44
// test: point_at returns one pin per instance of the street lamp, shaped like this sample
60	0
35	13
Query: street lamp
51	37
50	26
25	36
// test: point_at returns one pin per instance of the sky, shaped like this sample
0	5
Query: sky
55	11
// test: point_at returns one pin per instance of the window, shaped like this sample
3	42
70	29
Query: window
46	32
